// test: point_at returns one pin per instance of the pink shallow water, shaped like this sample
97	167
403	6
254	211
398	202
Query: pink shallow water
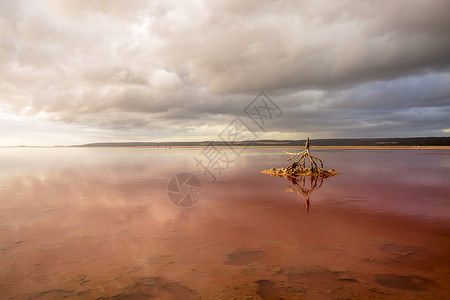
88	223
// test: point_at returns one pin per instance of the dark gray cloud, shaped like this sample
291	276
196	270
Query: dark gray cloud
184	70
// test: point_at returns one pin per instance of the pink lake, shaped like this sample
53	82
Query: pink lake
97	223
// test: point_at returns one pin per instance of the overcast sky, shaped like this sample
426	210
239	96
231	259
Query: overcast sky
75	72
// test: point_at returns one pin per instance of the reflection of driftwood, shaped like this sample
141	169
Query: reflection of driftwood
302	188
299	166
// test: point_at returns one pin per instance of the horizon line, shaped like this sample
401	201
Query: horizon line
221	142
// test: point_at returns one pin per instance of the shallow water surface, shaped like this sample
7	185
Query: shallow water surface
90	223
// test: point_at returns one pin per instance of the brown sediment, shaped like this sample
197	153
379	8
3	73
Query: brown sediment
268	290
242	257
403	282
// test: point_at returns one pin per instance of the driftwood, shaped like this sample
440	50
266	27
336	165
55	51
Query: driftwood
300	166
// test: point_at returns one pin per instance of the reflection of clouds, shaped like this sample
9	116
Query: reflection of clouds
14	161
88	184
89	200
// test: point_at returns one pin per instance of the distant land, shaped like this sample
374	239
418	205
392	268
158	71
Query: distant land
405	142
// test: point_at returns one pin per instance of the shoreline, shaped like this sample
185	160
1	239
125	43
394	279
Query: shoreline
257	146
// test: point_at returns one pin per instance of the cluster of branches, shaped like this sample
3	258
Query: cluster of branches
303	157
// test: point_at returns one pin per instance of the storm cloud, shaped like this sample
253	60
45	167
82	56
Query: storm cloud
90	71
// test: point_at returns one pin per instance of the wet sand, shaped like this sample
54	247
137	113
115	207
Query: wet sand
106	230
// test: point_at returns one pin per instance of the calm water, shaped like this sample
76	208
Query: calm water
90	223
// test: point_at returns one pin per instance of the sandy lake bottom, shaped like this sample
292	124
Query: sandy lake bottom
98	223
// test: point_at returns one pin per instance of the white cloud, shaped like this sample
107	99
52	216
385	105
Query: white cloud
164	80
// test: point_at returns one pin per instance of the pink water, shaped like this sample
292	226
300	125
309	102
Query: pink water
88	223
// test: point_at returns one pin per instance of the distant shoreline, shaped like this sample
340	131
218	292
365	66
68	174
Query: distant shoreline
356	143
256	146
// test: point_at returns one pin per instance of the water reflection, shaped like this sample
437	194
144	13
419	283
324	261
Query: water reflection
101	226
304	186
